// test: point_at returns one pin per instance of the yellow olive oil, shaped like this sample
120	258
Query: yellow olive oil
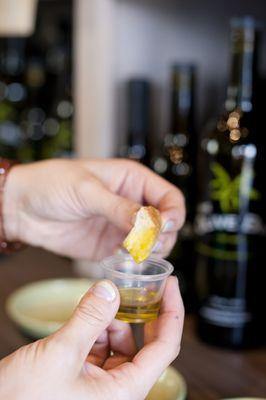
138	305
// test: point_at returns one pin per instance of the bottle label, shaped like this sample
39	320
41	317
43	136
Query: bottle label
229	209
207	222
224	221
231	192
225	312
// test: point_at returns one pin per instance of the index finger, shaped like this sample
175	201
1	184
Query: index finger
122	344
140	184
160	193
169	325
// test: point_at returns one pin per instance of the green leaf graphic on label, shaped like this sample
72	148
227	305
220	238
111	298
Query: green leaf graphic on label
227	191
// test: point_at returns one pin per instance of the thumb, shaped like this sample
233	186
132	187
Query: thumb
118	210
92	316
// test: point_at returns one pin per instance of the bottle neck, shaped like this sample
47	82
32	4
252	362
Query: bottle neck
182	99
243	66
138	113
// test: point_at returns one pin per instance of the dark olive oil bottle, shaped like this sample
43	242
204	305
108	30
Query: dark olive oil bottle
230	220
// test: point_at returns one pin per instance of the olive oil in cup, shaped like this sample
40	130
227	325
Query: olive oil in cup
141	286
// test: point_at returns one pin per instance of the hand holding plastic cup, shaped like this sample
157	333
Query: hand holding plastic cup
141	286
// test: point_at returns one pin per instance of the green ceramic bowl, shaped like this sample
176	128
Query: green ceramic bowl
170	386
42	307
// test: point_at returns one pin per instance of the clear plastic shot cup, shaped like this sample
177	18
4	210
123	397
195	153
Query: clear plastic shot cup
140	286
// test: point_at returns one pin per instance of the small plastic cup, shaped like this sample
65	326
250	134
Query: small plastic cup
140	286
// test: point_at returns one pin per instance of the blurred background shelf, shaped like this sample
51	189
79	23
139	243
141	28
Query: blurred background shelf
36	106
111	41
118	39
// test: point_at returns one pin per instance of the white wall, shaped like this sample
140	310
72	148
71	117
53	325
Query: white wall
93	70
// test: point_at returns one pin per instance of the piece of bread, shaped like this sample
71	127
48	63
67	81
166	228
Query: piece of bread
144	234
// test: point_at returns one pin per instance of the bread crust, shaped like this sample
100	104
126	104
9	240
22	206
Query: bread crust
144	234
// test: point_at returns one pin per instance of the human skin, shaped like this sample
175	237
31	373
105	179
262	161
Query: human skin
84	209
93	357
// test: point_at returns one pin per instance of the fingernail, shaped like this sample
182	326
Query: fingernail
168	226
104	290
157	247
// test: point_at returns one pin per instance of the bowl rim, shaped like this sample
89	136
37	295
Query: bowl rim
27	322
183	385
184	388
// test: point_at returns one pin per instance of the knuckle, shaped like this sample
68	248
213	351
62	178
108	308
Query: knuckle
115	207
82	187
135	167
93	314
131	163
126	382
84	183
55	344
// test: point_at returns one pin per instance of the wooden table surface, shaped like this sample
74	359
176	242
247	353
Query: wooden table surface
210	373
